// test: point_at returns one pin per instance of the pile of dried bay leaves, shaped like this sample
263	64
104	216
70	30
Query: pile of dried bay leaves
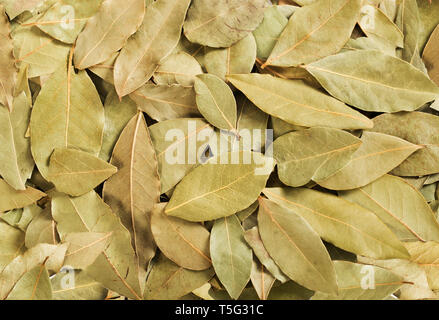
227	149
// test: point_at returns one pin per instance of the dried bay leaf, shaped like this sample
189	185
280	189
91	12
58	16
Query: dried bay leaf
388	150
428	192
407	126
296	248
134	190
65	19
180	217
117	115
51	256
375	24
251	125
168	281
429	14
16	163
193	49
105	70
231	256
416	283
410	217
16	7
68	113
108	31
116	268
303	2
261	279
21	218
185	243
12	217
244	214
353	76
14	199
153	41
340	222
42	229
297	103
389	8
216	102
76	172
33	285
253	238
178	68
12	244
315	31
166	102
222	23
177	156
313	154
408	20
289	291
281	127
353	285
84	288
43	54
426	255
85	247
430	56
364	43
236	59
268	32
9	72
202	196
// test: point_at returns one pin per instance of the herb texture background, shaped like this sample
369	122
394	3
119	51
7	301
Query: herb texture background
227	149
